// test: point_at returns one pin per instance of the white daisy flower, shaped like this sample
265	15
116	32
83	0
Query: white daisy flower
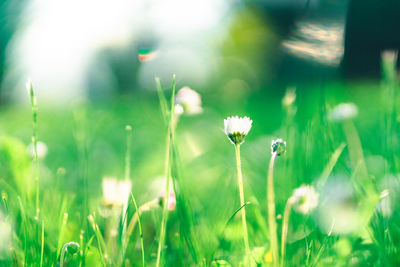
189	100
278	146
343	111
41	150
237	128
305	199
116	192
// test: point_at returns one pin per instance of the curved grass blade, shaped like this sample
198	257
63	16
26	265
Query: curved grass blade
331	164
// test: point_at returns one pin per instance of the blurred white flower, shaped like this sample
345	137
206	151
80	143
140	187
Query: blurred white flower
171	199
178	110
237	128
158	187
116	192
189	100
385	204
305	199
343	111
41	150
389	56
5	236
278	146
339	207
290	97
29	86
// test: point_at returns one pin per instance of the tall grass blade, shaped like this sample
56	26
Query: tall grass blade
167	172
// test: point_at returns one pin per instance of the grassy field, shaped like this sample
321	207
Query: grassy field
70	216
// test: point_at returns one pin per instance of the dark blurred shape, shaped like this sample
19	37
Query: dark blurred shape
283	13
9	16
372	26
113	70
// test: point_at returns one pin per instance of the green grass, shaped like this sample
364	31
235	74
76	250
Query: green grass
87	141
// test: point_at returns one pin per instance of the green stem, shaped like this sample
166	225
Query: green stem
63	254
100	241
128	129
132	223
140	228
271	210
167	173
285	226
243	211
42	246
127	177
34	143
165	201
61	234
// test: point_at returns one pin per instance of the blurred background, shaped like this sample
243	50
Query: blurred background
98	49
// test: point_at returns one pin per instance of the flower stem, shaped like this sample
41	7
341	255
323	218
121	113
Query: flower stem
34	143
243	211
63	254
42	246
271	210
285	226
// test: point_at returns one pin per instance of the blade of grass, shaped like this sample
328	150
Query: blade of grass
162	99
34	106
80	137
42	246
233	215
99	237
140	228
323	246
61	234
23	215
167	172
331	164
183	206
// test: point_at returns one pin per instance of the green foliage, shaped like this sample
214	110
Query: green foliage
356	222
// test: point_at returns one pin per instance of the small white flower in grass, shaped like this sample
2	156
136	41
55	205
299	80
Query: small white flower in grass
343	111
237	128
278	146
116	192
41	150
189	100
304	199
